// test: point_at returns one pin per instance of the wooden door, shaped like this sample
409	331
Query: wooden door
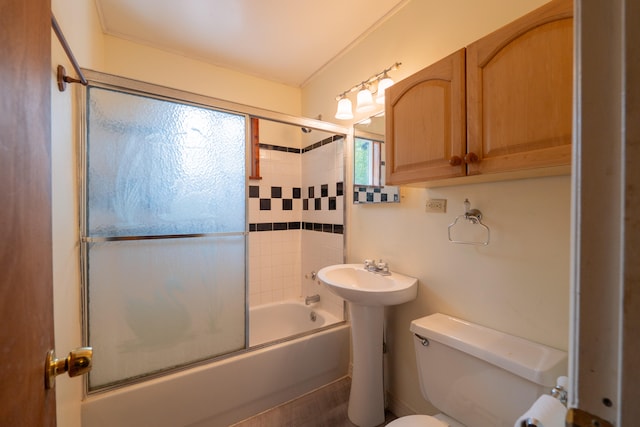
26	294
425	122
519	92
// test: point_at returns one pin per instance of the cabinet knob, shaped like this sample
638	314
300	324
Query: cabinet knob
471	158
455	161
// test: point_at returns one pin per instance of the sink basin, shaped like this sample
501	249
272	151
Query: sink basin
359	286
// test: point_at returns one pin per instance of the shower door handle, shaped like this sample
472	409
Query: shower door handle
77	363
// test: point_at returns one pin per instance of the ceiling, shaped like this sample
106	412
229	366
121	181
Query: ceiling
286	41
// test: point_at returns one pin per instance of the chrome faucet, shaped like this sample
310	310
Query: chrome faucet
379	267
311	299
560	391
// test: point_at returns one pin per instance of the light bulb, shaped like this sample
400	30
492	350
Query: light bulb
382	86
344	111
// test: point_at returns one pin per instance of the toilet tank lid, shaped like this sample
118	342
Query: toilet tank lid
535	362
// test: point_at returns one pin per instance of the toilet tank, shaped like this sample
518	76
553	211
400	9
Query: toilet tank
480	376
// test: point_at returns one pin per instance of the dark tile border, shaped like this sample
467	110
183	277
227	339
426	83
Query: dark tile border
280	148
325	141
306	149
303	225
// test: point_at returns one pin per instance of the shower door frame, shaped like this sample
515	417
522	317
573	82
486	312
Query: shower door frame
150	90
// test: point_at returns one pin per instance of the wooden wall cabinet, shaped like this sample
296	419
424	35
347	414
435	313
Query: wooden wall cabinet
502	105
425	123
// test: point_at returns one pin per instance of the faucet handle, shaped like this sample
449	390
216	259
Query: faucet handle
383	267
368	263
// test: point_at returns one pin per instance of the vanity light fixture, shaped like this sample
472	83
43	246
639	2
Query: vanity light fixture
364	98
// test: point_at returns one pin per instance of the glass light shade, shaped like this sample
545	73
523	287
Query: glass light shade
365	101
344	109
382	86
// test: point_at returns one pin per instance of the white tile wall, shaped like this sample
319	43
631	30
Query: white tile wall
280	262
320	250
274	266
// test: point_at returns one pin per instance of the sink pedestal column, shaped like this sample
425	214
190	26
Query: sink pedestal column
366	401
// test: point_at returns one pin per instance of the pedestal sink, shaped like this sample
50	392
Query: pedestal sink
367	293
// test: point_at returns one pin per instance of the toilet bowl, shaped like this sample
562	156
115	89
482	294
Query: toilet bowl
439	420
417	421
477	376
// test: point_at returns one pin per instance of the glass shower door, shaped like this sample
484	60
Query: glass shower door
164	234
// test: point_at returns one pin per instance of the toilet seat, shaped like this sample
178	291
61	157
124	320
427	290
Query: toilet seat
417	421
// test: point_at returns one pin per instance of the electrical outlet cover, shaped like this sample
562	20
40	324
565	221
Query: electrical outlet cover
436	205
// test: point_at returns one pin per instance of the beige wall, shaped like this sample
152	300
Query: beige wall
127	59
79	23
520	282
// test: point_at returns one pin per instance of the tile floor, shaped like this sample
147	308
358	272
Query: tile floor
325	407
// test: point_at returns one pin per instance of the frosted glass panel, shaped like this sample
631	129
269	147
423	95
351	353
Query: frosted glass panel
155	304
165	234
162	167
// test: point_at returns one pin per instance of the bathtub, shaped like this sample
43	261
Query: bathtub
223	392
272	322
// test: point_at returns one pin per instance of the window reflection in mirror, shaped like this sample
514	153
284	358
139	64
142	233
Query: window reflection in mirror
369	163
367	168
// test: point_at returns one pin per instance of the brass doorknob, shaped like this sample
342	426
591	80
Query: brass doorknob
77	363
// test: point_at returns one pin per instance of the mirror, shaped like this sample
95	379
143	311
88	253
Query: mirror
369	163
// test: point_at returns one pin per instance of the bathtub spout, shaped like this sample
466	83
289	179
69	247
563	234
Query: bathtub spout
311	299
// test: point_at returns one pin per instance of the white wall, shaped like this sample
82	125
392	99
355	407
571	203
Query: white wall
520	282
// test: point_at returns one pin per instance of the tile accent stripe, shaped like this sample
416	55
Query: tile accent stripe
308	148
280	148
311	226
321	143
375	195
267	201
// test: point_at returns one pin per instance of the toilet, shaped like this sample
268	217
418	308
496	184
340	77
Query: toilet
477	376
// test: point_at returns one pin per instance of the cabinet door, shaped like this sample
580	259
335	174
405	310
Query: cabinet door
425	122
519	93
